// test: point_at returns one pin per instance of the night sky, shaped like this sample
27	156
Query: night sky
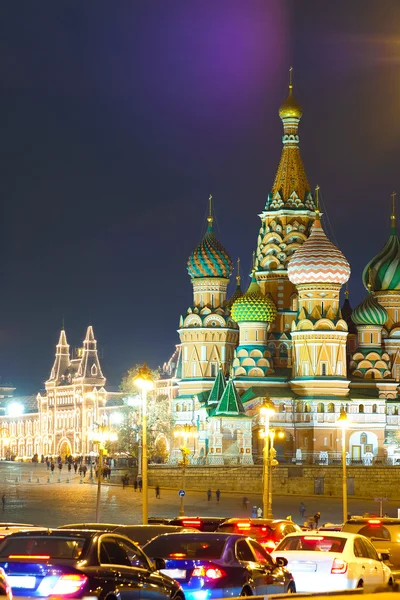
119	118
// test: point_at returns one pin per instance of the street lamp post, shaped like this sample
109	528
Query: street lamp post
5	441
272	463
187	431
100	436
266	411
343	419
145	382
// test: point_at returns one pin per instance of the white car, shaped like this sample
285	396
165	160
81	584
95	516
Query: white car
332	561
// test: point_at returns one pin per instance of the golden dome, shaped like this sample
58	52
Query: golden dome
290	108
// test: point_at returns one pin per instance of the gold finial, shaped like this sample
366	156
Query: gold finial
210	217
317	211
238	272
291	78
369	285
346	291
393	215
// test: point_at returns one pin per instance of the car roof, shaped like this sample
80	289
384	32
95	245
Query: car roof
315	533
372	521
97	526
202	535
180	518
257	521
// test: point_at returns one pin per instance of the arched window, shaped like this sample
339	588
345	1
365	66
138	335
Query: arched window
361	408
282	408
331	407
183	407
307	407
374	408
320	407
395	411
93	370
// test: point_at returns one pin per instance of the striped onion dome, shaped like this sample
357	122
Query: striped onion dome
317	260
383	271
209	259
253	305
370	312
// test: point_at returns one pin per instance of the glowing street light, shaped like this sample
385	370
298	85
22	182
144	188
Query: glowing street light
343	420
266	411
280	434
100	436
145	382
186	432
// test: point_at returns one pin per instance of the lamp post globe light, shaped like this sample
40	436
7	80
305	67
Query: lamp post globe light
343	421
186	432
145	383
266	411
100	436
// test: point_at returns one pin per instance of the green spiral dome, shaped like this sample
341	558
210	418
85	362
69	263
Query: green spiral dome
383	271
370	312
253	306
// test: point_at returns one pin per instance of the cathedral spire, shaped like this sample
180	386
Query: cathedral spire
62	359
89	370
393	215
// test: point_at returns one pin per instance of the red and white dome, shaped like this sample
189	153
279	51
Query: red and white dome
317	260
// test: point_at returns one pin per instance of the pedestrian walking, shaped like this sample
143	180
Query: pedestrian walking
75	466
84	469
218	493
259	512
140	485
3	500
60	466
302	510
135	484
69	467
245	502
317	517
158	491
52	467
209	494
254	512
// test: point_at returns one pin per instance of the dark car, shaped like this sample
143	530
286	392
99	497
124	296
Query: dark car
268	532
200	523
384	534
139	534
220	565
82	564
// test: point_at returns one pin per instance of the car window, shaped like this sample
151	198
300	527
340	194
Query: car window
183	546
243	551
288	529
55	547
373	531
371	552
112	553
261	555
136	557
359	549
313	543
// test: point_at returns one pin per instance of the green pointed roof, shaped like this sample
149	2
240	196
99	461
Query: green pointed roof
217	389
230	404
253	305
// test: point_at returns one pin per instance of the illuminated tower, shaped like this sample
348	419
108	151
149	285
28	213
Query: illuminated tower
208	334
285	225
318	270
253	312
383	272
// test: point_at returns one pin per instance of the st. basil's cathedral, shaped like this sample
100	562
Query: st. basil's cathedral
286	340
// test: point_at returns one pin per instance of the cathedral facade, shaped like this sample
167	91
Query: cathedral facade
288	340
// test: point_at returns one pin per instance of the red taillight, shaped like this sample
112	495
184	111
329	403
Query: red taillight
191	523
313	538
374	522
209	572
178	555
245	525
269	545
69	584
339	566
30	556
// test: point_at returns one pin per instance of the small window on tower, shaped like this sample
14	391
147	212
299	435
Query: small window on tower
213	369
323	369
93	370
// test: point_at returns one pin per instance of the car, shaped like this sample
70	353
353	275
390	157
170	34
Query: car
220	565
200	523
384	533
82	564
9	528
268	532
5	588
139	534
332	561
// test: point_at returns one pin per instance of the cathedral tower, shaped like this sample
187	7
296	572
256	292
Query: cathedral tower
318	269
207	333
285	225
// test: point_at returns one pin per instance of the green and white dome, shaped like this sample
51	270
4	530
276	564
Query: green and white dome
370	312
253	306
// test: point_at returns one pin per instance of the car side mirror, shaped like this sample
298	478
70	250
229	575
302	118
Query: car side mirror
384	556
159	563
281	561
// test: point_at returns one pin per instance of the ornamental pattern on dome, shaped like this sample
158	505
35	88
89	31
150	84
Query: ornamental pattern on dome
318	260
277	242
383	271
370	312
370	364
253	306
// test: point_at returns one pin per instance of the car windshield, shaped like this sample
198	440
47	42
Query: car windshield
42	547
180	546
250	529
312	543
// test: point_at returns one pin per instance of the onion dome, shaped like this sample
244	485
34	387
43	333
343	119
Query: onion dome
209	259
317	260
253	305
383	271
290	108
370	312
